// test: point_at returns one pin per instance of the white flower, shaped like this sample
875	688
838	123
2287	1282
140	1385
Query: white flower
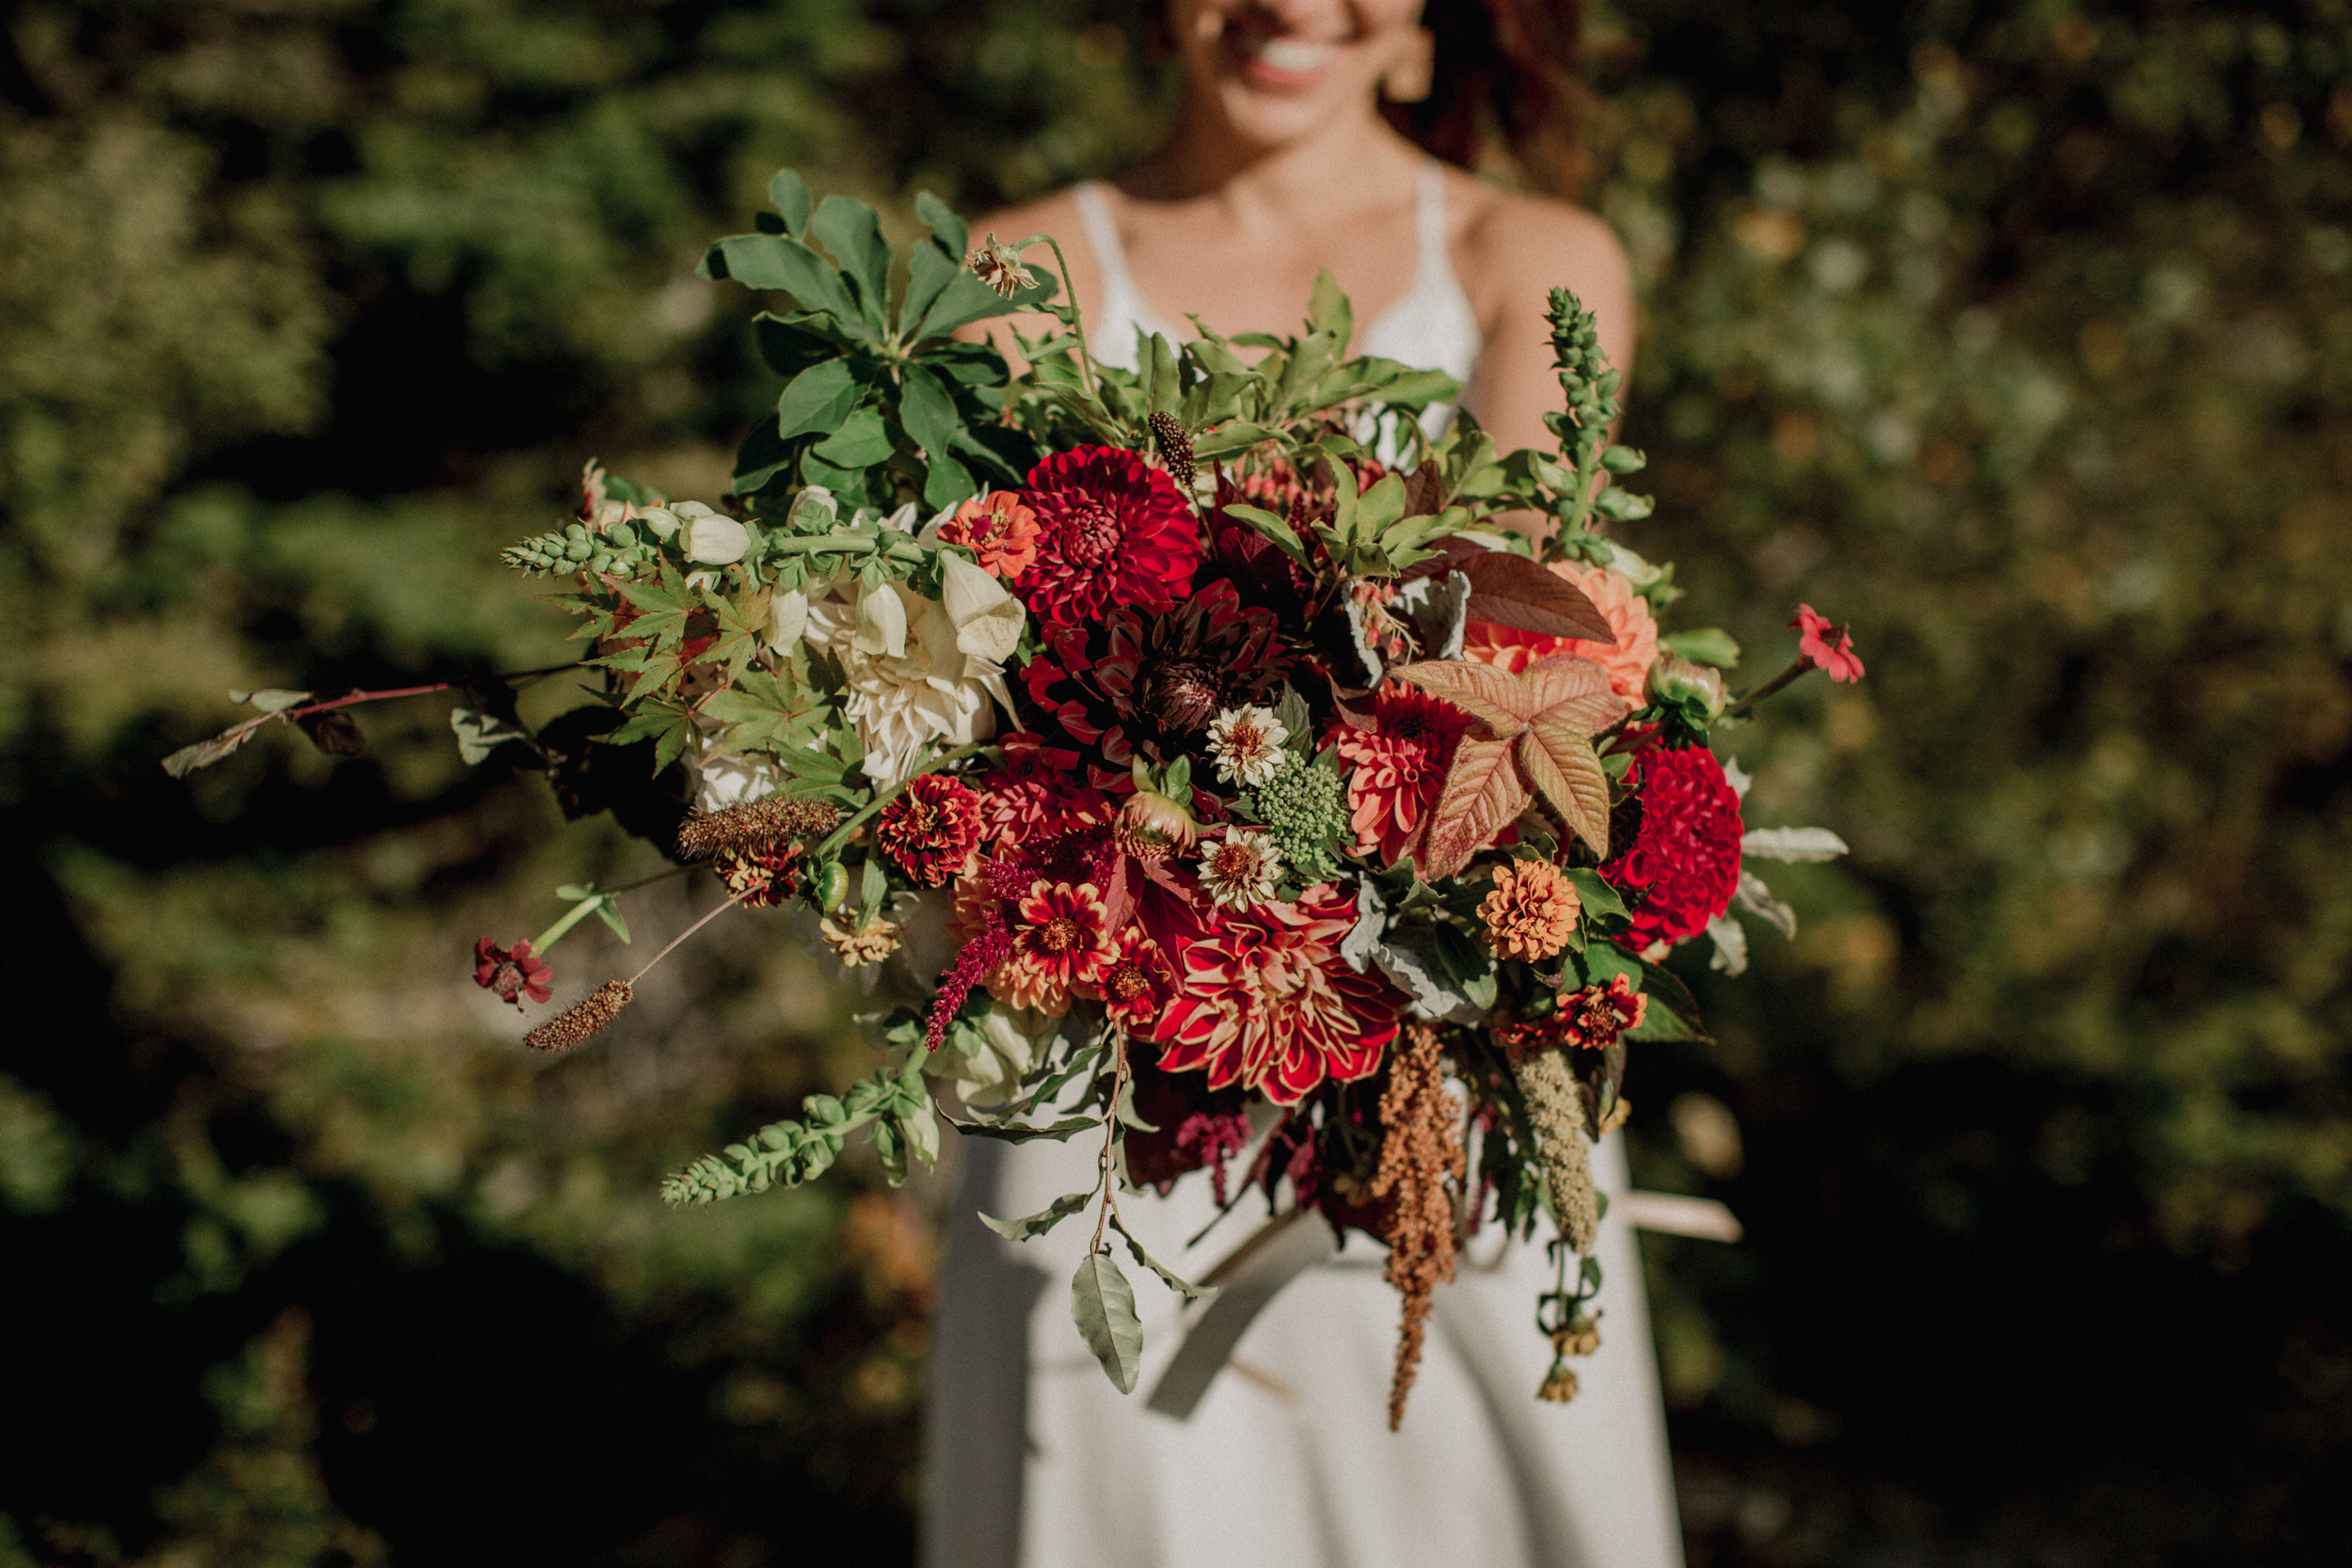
1247	743
929	695
1014	1041
882	622
722	778
1239	870
711	537
787	617
988	620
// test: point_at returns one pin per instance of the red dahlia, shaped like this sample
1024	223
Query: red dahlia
1110	532
1267	1002
1684	864
1061	945
1153	683
931	829
1135	987
1397	766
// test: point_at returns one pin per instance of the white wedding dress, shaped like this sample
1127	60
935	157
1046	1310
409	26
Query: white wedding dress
1033	1460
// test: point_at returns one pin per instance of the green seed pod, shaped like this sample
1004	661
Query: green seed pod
830	883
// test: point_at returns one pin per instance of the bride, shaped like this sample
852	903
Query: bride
1311	136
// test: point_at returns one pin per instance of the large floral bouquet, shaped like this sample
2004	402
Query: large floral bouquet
1219	768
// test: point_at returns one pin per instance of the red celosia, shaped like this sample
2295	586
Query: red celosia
1397	766
1266	1001
931	829
1829	647
1684	863
998	529
1110	532
1210	1138
1598	1016
513	973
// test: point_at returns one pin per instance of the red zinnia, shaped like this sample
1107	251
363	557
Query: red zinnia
1685	861
1829	646
1599	1016
513	973
1268	1002
1110	532
998	529
931	829
1397	766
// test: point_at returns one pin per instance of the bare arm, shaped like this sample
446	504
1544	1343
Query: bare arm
1056	215
1516	252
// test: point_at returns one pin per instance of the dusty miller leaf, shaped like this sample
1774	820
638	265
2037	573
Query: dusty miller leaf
271	700
1044	1219
1792	845
1757	899
1731	944
1104	1305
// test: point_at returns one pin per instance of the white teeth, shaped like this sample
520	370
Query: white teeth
1291	55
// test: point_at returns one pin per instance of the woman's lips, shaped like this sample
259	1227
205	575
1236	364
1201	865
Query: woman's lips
1283	64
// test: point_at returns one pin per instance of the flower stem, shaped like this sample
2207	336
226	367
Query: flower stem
1110	1137
683	935
1740	709
1078	324
571	918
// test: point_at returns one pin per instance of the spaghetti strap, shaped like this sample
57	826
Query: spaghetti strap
1101	232
1111	335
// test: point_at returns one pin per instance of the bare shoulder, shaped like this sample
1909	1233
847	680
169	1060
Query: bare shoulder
1518	247
1057	216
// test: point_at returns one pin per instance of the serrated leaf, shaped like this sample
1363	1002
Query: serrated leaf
1494	697
1104	1305
1044	1219
1792	845
479	734
1559	761
1573	690
1481	794
1512	590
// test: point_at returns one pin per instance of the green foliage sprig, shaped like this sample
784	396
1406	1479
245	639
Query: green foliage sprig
893	1105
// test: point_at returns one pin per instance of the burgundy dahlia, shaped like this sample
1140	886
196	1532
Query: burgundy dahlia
1684	863
513	973
1153	683
1110	532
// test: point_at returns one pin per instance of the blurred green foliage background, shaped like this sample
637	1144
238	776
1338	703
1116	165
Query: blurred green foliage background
2018	334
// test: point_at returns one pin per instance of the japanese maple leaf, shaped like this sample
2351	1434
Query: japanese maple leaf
1538	741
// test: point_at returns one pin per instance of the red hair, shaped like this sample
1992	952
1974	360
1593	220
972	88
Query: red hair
1505	74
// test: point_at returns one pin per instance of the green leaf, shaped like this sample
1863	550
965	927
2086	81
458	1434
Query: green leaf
966	299
771	261
1169	1277
1706	645
1597	897
1277	530
948	482
479	734
930	271
611	916
861	441
1044	1219
926	411
1328	310
205	752
788	194
850	229
819	397
948	228
1104	1305
272	701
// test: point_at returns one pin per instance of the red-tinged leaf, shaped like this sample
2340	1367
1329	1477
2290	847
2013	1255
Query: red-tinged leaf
1482	794
1574	690
1493	697
1449	555
1424	490
1512	590
1560	762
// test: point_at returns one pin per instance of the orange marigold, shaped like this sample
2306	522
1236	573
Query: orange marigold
1532	911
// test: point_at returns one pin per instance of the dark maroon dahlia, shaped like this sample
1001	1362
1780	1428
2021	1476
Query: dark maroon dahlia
1152	683
1110	532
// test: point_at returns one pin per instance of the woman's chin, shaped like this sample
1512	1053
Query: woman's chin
1274	118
